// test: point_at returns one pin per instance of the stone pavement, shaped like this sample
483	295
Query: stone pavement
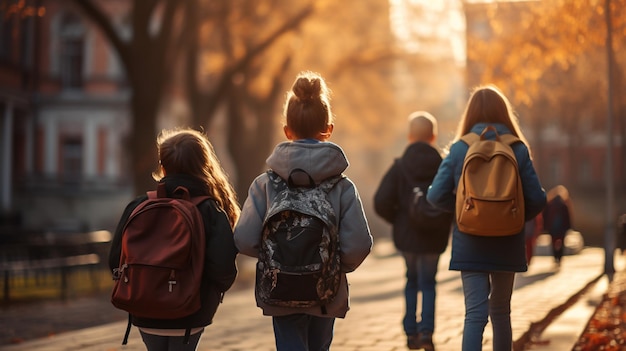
374	321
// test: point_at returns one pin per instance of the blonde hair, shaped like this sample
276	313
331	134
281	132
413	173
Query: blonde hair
422	126
307	107
188	151
487	104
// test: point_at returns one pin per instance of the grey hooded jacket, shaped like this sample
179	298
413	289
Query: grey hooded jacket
320	160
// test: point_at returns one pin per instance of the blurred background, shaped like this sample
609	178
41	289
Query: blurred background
86	85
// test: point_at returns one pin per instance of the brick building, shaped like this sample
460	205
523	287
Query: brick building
63	117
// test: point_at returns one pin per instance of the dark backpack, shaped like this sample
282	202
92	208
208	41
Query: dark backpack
162	258
299	262
421	213
489	197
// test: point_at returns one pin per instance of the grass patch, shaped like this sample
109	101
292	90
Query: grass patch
44	286
47	286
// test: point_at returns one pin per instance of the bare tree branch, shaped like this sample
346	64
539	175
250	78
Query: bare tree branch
226	79
166	34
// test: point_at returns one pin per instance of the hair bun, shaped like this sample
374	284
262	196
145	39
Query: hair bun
307	89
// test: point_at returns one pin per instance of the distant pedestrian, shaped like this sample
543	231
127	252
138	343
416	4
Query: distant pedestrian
187	160
532	229
421	245
309	125
487	263
557	219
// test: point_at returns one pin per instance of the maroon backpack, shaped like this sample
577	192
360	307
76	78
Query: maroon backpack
162	258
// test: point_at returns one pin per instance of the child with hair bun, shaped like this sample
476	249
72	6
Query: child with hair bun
308	126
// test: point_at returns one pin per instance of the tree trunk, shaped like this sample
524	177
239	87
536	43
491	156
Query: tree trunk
146	103
248	146
142	142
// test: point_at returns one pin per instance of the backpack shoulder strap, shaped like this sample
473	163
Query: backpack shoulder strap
197	200
329	183
276	181
470	138
272	175
509	139
127	333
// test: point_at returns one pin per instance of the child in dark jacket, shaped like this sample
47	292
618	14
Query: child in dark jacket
557	219
421	246
186	158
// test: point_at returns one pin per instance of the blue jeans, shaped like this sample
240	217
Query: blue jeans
487	295
421	270
170	343
303	332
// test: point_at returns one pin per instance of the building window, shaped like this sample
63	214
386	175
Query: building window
72	158
72	45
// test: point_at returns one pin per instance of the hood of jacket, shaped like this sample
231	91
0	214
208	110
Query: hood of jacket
320	160
420	162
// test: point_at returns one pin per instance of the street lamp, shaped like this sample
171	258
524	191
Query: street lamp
609	234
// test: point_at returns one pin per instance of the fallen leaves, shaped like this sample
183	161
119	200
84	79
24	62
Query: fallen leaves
606	330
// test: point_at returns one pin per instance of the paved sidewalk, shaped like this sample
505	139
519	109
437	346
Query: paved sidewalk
374	321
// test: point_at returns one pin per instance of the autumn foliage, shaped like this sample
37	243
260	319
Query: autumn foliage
606	329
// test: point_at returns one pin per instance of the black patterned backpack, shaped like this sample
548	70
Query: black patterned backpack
299	263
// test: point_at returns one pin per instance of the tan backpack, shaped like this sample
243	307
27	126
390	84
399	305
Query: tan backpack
489	197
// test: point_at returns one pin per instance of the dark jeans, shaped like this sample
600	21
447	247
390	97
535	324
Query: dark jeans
303	332
421	270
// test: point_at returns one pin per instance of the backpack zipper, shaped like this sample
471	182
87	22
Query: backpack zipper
172	280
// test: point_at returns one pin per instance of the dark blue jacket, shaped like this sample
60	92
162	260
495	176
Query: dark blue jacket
478	253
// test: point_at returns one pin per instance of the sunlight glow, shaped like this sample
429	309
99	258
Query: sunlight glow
436	28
